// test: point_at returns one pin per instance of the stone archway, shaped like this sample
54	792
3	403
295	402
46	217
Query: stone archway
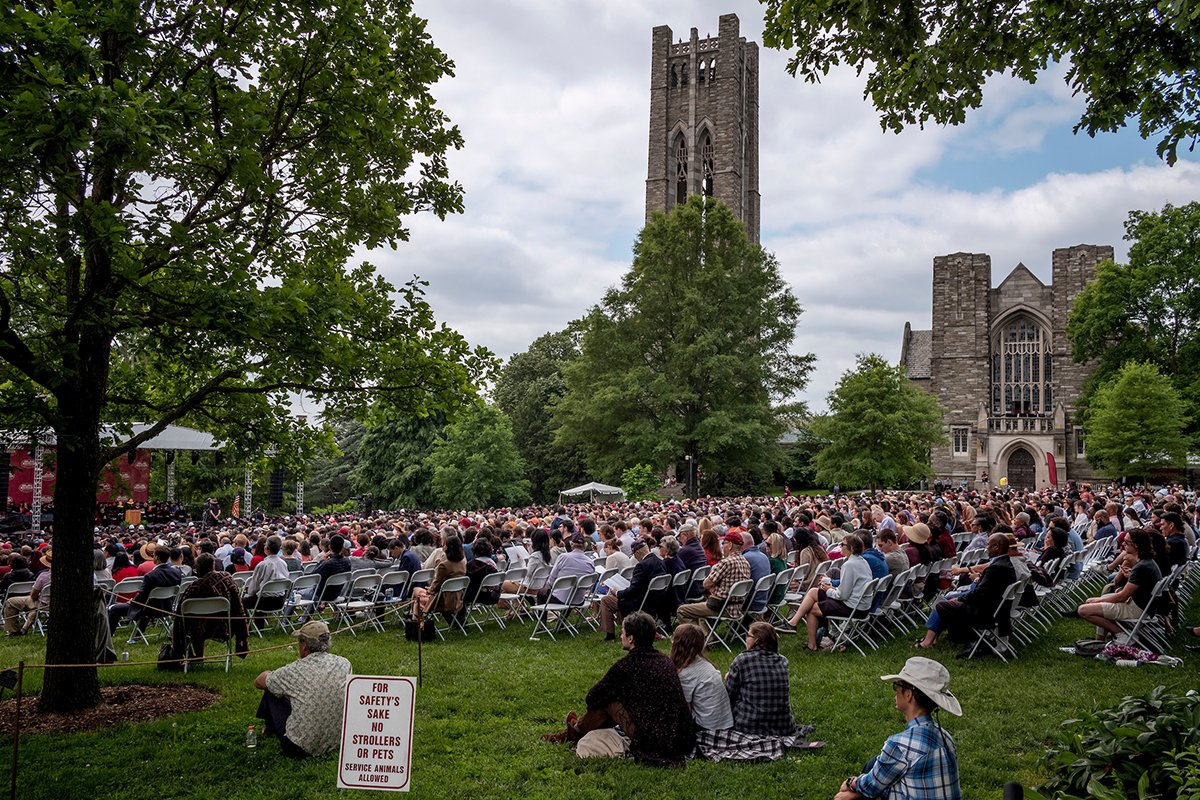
1022	469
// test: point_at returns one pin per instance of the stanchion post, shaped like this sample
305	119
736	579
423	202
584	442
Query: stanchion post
12	784
420	641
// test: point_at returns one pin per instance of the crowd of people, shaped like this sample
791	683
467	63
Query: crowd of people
656	708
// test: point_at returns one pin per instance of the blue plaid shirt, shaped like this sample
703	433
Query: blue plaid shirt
919	763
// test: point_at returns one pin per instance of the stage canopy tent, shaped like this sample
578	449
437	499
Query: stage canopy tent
173	437
594	490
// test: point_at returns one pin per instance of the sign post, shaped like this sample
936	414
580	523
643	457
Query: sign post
376	751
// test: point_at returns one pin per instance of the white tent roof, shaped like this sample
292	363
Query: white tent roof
593	488
173	437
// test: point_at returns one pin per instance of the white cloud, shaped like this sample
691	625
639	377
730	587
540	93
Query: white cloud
553	102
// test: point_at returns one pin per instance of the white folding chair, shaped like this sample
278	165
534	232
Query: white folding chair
736	598
166	596
359	597
448	586
272	593
845	629
542	611
475	609
208	607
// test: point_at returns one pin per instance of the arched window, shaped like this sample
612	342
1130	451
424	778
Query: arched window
706	162
674	76
681	168
1021	369
703	68
712	69
683	75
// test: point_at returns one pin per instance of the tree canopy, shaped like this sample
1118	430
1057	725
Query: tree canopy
879	429
181	188
392	461
928	60
687	355
1136	423
476	464
1147	310
526	388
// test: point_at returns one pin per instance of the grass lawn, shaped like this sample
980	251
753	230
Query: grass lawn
487	698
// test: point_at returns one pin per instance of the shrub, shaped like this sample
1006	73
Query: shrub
1146	747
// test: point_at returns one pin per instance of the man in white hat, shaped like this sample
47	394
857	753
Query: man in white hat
920	761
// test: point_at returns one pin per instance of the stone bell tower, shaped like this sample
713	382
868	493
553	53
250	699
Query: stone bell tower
704	121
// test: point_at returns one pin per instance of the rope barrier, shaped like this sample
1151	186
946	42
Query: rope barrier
399	606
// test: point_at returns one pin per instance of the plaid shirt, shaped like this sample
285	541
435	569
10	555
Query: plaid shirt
758	693
919	763
725	573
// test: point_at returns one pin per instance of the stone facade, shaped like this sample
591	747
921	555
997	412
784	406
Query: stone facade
704	121
999	362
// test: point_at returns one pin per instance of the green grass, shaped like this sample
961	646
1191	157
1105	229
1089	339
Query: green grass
486	700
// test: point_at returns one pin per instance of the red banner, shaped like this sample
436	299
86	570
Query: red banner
120	480
1053	468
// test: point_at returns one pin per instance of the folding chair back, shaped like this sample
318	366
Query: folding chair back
696	592
761	595
449	586
272	592
738	592
845	629
657	584
241	579
335	585
421	577
473	608
213	607
310	567
359	597
23	588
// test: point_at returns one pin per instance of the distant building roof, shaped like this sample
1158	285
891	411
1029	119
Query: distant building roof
916	353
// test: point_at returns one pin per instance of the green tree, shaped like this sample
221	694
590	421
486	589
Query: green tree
1146	310
640	483
392	462
929	60
327	478
476	464
1136	423
879	428
181	187
526	388
687	355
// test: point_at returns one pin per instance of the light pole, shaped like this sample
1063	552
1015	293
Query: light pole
690	462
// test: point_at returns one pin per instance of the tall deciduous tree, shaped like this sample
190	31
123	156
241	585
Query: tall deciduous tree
476	464
928	59
879	428
392	464
526	387
1149	309
687	355
1136	423
181	187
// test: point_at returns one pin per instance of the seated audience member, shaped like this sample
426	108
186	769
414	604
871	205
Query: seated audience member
140	609
479	568
1137	588
642	695
454	565
614	558
920	761
614	605
303	702
187	640
703	688
574	562
29	605
833	600
731	569
977	606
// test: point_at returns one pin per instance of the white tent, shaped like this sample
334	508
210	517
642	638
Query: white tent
592	490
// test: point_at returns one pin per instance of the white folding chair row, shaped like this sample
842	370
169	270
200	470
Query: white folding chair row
737	594
848	629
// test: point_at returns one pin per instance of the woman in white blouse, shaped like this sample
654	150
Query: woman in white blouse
703	687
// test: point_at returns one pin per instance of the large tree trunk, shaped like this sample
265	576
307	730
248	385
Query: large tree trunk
71	636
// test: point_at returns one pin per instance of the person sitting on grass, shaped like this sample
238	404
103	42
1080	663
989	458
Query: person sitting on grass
758	688
920	761
303	702
703	688
637	708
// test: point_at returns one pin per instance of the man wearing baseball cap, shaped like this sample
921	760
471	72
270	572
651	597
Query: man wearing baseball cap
303	701
920	761
732	568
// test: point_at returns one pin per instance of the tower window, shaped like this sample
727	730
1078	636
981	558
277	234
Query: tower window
706	161
712	70
681	169
1021	369
960	441
700	77
674	76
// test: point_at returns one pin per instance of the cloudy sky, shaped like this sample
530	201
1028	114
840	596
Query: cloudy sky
553	102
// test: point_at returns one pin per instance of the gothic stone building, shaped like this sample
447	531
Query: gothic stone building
704	121
999	362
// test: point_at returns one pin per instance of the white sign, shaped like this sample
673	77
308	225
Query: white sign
377	733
